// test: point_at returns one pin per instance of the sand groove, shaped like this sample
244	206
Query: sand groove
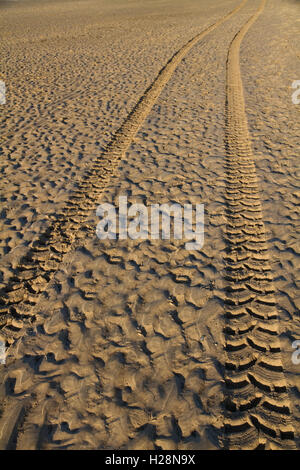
35	270
257	403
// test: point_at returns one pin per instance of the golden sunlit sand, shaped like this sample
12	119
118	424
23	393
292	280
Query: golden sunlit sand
144	344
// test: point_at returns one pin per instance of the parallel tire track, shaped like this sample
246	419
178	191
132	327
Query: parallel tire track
17	423
257	406
36	269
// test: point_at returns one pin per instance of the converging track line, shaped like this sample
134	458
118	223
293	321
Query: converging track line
257	404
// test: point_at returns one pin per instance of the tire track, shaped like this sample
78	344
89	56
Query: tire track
257	405
36	269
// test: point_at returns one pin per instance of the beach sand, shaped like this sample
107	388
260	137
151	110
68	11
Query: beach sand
143	344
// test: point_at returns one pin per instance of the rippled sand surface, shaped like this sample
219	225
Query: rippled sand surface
143	344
